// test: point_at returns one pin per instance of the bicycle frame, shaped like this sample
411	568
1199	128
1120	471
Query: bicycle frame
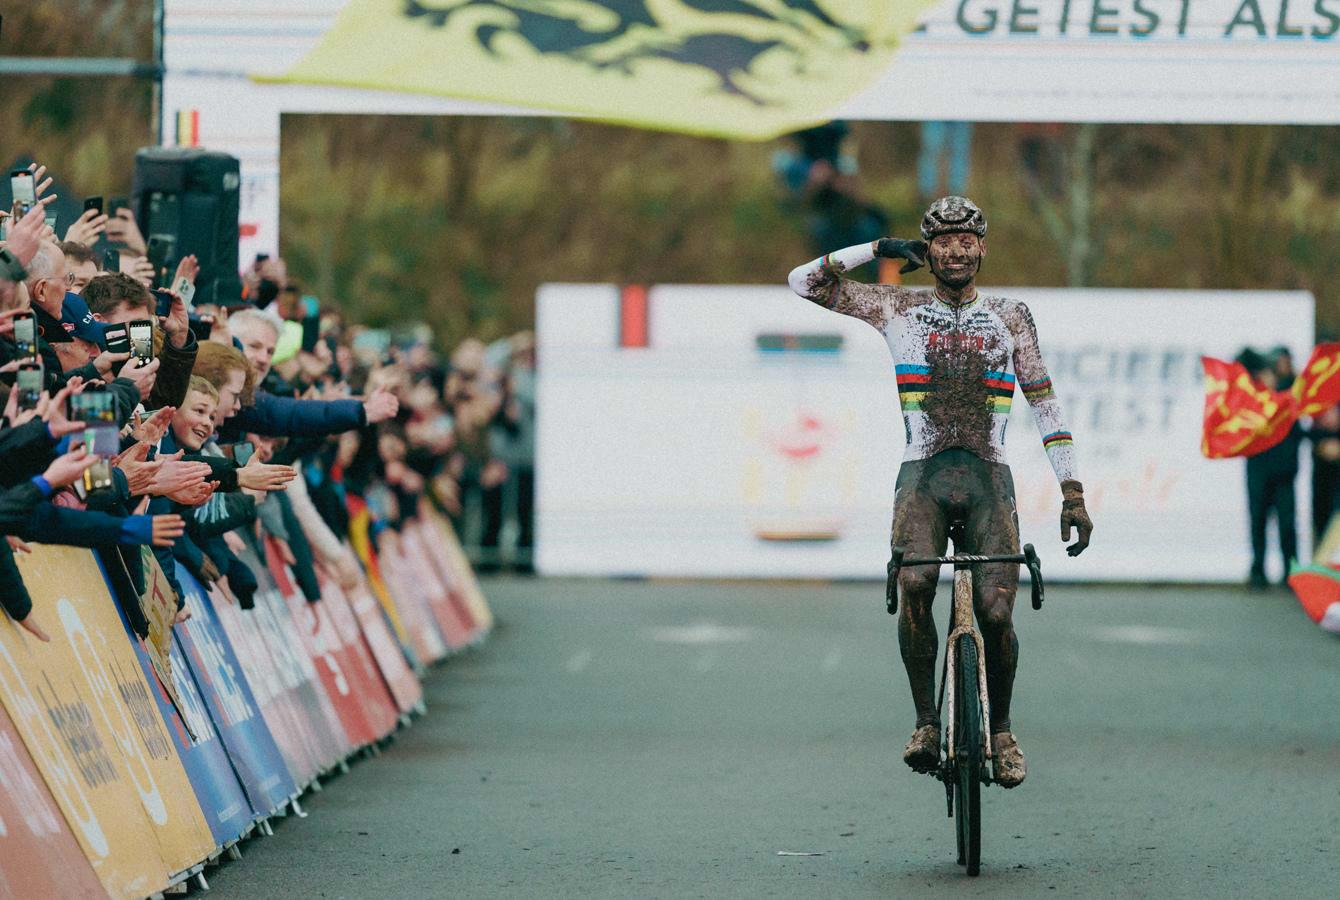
963	623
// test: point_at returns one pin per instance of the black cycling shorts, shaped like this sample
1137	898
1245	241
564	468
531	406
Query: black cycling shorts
955	486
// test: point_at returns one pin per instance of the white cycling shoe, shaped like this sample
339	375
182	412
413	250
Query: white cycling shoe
1007	760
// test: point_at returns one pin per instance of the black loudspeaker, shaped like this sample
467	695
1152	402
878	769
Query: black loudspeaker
188	199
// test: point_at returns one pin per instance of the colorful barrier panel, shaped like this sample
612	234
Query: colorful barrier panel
328	660
370	681
404	588
386	648
84	710
39	857
233	709
447	553
450	614
224	805
115	784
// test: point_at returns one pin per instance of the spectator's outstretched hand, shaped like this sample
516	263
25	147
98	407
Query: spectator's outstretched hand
167	529
259	476
143	271
41	181
139	472
87	227
188	268
53	410
152	429
178	475
380	406
26	234
29	624
66	470
194	495
17	544
122	229
143	377
177	323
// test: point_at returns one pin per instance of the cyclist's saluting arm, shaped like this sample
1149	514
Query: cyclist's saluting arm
1056	439
822	280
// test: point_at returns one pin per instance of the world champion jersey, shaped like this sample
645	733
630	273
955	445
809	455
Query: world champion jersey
958	367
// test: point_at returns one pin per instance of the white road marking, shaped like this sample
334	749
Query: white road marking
578	661
832	660
701	633
1147	634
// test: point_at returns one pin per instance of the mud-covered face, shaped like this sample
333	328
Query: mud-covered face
955	258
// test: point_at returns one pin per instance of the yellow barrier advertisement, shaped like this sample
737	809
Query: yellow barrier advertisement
87	715
746	69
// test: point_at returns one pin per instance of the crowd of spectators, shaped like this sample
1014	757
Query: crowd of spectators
134	418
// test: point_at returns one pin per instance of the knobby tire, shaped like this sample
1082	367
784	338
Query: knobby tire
968	753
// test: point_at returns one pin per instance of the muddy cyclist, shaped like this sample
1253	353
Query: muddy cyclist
958	357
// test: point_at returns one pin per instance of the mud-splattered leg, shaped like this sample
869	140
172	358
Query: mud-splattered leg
993	529
919	526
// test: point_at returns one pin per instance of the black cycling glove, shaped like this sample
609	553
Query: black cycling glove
896	248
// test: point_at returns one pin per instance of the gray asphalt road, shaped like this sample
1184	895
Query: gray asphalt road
629	739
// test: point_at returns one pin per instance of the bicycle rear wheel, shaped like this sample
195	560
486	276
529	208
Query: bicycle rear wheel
968	756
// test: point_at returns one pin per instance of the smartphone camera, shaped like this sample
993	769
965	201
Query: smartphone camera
29	382
25	334
94	405
102	439
21	186
93	203
141	334
111	260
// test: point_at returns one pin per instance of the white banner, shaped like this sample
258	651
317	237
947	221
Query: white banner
758	435
974	60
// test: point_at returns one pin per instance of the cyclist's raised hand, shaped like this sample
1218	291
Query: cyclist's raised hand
896	248
1074	513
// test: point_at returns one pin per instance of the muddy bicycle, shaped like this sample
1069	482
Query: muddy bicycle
966	744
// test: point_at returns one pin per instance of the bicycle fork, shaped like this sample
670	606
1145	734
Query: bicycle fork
962	626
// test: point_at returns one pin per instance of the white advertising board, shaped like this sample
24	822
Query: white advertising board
718	450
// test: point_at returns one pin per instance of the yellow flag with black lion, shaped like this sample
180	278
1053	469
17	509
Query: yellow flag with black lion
730	68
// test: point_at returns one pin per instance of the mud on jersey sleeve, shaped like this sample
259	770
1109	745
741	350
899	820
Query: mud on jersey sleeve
821	281
1037	387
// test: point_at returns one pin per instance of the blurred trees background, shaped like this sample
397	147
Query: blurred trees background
457	221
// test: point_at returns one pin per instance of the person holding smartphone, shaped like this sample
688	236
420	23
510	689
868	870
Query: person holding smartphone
119	299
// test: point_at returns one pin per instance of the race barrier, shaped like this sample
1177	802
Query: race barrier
127	765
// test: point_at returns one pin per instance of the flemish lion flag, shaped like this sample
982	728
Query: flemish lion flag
1242	418
732	68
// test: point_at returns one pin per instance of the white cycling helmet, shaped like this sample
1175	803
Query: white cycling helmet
949	215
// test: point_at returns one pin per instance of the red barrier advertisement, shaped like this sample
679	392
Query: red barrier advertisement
452	619
406	593
39	857
372	621
374	696
333	668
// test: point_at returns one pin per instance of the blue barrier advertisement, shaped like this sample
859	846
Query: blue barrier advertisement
224	806
232	708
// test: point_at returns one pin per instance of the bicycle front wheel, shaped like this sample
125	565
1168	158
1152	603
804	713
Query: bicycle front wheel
968	756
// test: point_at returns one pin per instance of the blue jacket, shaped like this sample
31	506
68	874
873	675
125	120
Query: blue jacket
276	416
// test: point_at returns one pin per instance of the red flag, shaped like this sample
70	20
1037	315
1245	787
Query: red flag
1317	387
1244	418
